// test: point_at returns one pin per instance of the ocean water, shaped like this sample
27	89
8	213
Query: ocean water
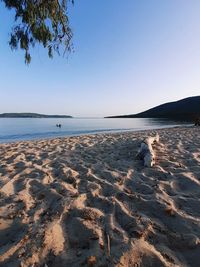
17	129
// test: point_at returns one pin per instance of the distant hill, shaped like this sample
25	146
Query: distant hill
187	108
31	115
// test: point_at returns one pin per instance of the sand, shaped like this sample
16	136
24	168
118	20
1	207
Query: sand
87	201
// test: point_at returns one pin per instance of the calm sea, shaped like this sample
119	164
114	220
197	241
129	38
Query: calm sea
17	129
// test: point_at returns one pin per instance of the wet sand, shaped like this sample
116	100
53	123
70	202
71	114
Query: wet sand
87	201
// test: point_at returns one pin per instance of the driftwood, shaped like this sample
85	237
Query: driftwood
146	151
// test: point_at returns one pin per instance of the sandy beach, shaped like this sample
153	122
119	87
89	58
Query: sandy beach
87	201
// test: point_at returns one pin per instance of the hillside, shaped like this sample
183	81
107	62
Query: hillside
31	115
187	108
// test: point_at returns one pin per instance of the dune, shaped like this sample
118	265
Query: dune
88	201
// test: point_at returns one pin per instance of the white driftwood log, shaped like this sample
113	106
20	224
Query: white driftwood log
146	151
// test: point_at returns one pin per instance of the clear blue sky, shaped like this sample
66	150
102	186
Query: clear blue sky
129	56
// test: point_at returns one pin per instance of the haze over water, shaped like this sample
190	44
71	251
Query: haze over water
17	129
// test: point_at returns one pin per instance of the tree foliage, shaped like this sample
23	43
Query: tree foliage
40	21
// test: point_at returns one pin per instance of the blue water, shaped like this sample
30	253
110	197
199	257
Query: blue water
17	129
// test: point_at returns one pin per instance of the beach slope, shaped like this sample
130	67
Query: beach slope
87	201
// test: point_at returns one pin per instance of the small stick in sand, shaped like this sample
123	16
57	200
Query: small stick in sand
108	243
108	223
146	151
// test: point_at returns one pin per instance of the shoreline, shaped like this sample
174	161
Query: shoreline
96	133
87	201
